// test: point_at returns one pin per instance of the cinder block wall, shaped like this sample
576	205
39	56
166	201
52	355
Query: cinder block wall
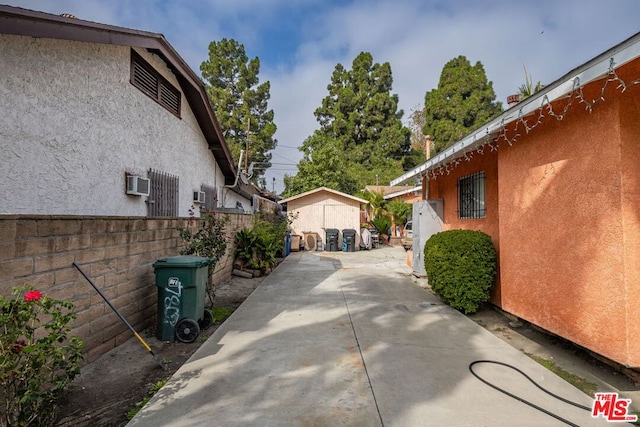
117	253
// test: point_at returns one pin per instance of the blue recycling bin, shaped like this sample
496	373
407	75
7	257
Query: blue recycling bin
287	244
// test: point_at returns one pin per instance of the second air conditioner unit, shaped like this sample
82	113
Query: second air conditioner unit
138	186
310	241
198	196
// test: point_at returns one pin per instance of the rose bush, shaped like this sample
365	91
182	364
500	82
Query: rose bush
37	358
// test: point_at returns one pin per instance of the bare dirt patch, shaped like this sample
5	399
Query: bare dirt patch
109	387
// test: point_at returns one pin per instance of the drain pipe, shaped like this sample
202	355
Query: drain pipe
237	177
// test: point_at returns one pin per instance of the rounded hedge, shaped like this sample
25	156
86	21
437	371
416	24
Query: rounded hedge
461	267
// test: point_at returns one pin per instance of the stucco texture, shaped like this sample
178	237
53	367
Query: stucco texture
569	226
563	209
72	125
446	187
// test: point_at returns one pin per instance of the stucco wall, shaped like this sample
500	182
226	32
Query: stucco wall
71	125
566	219
446	187
319	211
569	225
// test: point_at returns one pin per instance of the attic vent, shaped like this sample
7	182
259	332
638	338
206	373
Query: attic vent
149	81
68	15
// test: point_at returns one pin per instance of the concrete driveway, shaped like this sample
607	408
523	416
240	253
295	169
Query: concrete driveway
335	338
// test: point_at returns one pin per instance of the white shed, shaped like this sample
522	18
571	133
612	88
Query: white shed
321	209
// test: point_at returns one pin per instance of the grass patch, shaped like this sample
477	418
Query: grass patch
152	390
580	383
220	314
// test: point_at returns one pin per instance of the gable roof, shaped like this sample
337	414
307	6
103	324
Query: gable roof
317	190
593	70
24	22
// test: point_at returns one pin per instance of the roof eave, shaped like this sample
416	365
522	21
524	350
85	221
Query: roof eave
25	22
592	70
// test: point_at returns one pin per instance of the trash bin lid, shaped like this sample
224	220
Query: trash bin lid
182	261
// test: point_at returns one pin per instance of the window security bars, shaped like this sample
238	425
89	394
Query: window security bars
471	196
164	194
210	197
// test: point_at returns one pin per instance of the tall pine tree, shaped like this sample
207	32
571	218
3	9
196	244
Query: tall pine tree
463	101
240	102
361	137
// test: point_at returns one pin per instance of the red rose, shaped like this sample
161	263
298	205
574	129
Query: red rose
17	346
32	296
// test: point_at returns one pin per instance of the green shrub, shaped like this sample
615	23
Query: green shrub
461	267
208	241
259	246
37	357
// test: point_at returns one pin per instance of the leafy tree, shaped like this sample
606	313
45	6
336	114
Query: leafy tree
240	102
361	135
323	165
463	100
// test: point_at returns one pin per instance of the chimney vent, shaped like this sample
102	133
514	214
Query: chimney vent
513	100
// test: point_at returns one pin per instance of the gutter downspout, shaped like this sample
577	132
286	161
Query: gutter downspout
236	181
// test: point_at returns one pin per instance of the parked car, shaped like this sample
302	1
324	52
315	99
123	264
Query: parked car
407	236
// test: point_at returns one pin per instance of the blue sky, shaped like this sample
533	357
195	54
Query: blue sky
299	42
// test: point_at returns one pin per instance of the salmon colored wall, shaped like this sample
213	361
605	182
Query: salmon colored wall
630	200
446	187
565	218
569	225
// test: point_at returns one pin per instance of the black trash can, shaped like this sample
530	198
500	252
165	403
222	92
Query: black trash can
332	239
348	240
182	286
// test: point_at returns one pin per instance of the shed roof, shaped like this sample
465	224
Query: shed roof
597	68
317	190
24	22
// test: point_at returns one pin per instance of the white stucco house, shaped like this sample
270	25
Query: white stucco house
320	209
103	120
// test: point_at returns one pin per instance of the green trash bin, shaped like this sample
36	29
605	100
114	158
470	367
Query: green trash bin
182	286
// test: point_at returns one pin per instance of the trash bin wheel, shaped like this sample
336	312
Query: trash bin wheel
187	330
206	321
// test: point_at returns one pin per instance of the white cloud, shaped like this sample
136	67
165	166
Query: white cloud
417	37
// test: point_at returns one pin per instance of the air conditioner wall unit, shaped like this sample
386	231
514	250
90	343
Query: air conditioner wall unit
138	186
310	240
198	196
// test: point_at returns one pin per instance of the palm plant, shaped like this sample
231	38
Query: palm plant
528	88
376	203
382	224
400	210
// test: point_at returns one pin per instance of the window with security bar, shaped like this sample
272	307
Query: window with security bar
164	194
471	196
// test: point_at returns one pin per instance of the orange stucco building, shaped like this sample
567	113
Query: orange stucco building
561	201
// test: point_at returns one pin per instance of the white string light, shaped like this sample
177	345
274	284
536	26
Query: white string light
576	94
